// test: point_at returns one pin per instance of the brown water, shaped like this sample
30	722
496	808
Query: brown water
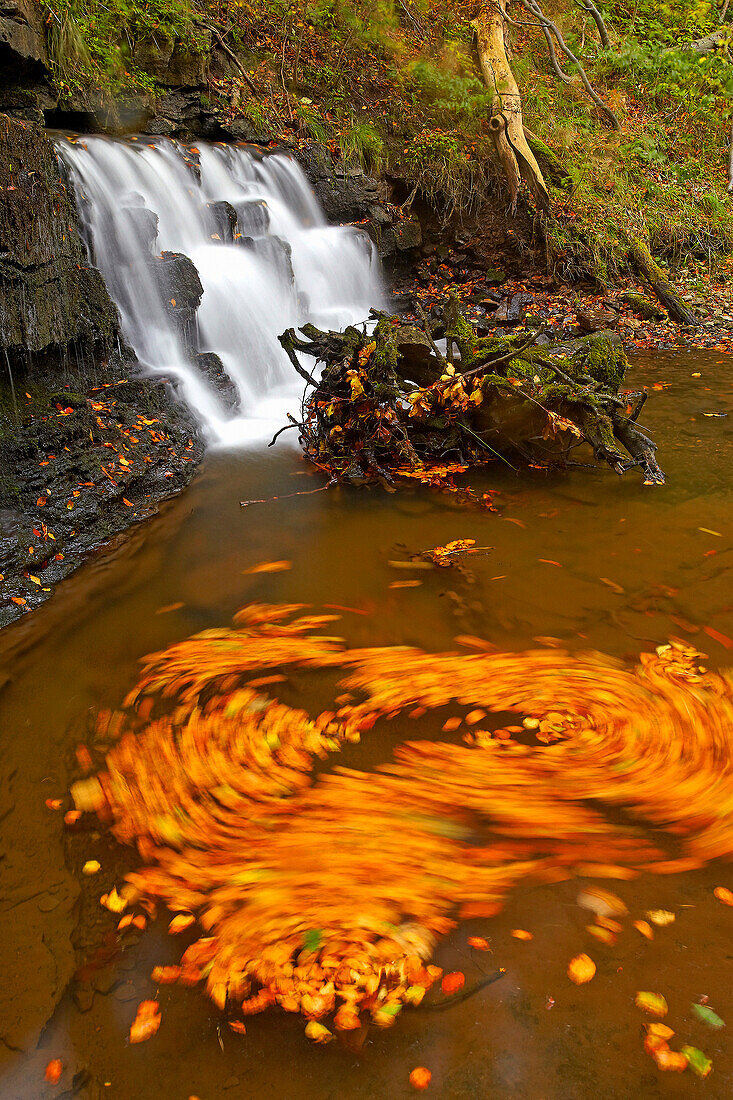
633	566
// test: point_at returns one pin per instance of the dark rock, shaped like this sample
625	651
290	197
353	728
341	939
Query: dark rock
84	996
222	220
416	353
126	991
243	129
642	306
172	61
494	276
407	234
517	308
49	295
181	291
143	224
212	368
253	217
22	42
275	251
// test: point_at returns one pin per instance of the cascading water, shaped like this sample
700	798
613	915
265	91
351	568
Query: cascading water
264	254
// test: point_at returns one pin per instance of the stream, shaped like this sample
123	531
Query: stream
582	557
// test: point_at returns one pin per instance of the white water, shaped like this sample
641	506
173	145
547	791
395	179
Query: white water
249	296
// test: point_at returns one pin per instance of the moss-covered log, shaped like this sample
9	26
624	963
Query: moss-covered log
659	283
391	401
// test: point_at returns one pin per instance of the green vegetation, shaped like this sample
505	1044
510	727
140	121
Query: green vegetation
96	46
395	85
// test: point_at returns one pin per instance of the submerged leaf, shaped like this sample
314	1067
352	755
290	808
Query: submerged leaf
707	1016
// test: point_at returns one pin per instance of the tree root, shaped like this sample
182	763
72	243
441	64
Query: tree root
390	403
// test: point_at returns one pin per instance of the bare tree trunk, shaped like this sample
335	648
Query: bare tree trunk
515	156
589	6
533	8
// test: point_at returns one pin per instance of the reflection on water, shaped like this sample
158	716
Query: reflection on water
582	557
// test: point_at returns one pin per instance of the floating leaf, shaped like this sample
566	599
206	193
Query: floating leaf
146	1022
661	917
54	1069
451	983
180	923
479	943
420	1078
269	567
700	1064
673	1060
317	1033
581	969
312	939
723	894
654	1004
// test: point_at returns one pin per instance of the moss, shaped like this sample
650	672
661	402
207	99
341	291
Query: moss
606	362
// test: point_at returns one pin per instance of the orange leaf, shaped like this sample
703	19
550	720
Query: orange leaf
670	1060
54	1069
420	1078
718	637
146	1023
521	934
644	928
181	923
165	975
581	969
451	983
269	567
723	894
479	943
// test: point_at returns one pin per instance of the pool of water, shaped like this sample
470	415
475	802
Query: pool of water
581	556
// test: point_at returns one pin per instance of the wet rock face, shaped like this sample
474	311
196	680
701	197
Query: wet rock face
348	196
22	42
50	296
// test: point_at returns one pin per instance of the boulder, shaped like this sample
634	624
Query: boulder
181	290
211	366
595	319
221	220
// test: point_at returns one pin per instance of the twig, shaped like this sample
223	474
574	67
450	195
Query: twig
230	53
294	424
287	496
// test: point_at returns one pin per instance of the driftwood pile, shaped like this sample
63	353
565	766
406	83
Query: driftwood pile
435	397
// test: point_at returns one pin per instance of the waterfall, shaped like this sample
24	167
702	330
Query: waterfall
265	257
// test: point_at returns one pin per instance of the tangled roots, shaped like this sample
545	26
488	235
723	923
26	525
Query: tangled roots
330	895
